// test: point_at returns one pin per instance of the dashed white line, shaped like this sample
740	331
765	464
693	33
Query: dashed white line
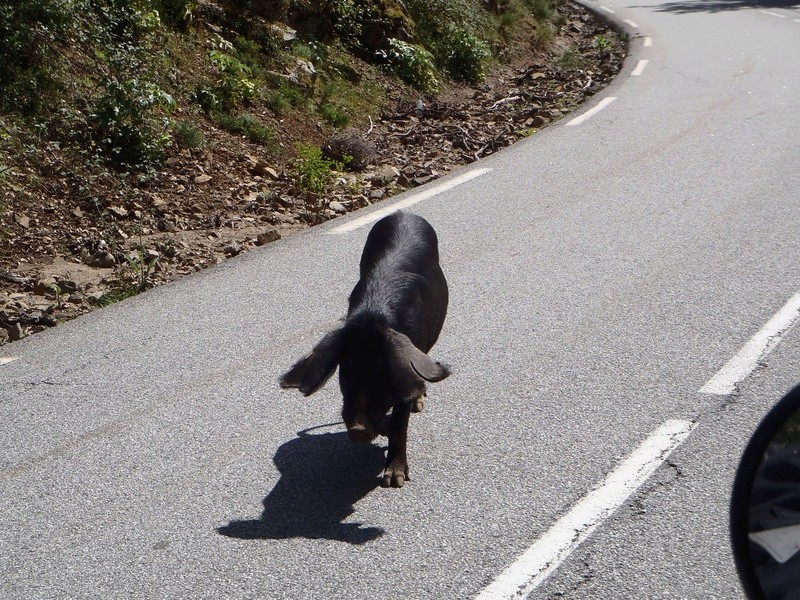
640	67
432	191
592	111
4	360
747	359
648	41
550	550
631	23
773	14
608	10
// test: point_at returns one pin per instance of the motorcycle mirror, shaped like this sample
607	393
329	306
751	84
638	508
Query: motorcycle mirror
765	505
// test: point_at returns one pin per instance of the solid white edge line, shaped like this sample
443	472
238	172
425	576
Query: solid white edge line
648	41
550	550
640	66
772	14
432	191
4	360
631	23
747	359
592	111
607	9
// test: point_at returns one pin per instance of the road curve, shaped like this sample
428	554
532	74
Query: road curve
601	273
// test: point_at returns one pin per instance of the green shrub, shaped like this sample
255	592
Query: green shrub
601	43
334	115
542	10
129	123
465	56
414	65
206	96
312	171
29	31
188	136
235	84
175	13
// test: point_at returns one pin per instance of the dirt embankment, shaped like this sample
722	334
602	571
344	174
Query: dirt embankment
214	203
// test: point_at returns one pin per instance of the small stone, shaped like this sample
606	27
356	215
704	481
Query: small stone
268	237
338	207
23	221
233	249
45	288
383	176
101	260
260	169
202	179
118	211
67	285
423	179
15	332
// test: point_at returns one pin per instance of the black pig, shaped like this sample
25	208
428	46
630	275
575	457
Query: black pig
395	314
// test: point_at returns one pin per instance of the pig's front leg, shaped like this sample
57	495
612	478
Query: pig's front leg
419	403
396	472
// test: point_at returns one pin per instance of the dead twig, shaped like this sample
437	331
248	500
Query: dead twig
504	101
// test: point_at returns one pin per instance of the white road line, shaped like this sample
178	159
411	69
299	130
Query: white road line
432	191
747	359
608	10
4	360
772	14
550	550
640	66
648	41
796	20
592	111
631	23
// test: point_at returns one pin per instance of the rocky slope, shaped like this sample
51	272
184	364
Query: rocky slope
209	204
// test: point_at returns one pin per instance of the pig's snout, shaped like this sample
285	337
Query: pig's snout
360	430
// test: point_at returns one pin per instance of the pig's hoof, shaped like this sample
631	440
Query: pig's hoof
395	475
419	404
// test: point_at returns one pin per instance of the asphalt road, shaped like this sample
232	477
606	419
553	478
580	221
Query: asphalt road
601	272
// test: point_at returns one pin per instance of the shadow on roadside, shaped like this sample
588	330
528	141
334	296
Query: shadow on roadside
322	477
714	6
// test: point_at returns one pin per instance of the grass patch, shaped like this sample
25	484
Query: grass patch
247	125
188	136
570	60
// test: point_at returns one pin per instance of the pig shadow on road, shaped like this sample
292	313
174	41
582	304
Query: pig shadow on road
322	477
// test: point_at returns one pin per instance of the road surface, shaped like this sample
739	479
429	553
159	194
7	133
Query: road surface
601	273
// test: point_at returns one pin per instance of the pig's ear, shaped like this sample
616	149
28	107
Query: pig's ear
310	373
422	364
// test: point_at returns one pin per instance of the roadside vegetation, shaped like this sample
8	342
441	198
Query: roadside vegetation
111	87
122	120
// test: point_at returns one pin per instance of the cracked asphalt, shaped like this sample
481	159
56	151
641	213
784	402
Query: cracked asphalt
599	275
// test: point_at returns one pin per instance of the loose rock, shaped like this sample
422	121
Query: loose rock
267	237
